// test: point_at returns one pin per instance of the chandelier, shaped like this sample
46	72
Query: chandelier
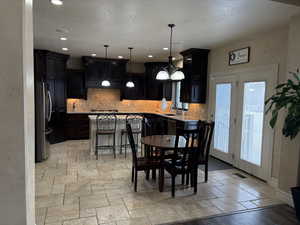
171	71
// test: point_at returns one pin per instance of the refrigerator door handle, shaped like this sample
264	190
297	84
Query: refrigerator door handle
50	108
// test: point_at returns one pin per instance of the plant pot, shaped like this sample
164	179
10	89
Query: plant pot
296	199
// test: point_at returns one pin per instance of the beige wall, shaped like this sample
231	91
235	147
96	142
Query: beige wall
17	113
110	99
266	49
289	166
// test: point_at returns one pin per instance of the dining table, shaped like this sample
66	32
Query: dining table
163	144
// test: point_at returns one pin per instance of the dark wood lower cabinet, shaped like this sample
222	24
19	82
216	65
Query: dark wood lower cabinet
77	126
57	125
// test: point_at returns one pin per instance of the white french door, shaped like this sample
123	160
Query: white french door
242	134
223	114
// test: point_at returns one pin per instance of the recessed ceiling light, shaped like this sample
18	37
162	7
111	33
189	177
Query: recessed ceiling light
94	55
165	49
120	57
150	56
65	49
63	38
57	2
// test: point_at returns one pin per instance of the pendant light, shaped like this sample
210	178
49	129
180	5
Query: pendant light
130	83
105	82
171	71
57	2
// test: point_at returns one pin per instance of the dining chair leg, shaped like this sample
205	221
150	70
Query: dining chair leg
114	145
154	174
192	178
187	178
126	145
96	148
137	142
147	174
173	186
195	172
121	144
161	172
132	174
135	179
206	173
182	178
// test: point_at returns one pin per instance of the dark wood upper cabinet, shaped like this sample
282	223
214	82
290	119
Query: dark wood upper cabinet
155	88
97	69
193	87
50	67
138	91
76	84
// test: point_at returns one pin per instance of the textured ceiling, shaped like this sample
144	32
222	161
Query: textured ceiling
292	2
142	24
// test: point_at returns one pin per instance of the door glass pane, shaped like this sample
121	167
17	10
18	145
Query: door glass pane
252	123
222	117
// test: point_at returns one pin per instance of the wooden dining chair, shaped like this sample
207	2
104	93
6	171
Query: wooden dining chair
139	163
206	130
182	161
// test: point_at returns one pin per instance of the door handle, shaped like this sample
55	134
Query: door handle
50	107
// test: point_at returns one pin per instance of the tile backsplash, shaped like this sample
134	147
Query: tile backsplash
105	99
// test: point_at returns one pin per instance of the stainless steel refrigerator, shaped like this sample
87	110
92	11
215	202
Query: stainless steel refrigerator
43	112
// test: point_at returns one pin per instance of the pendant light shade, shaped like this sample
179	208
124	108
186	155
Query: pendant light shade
105	82
130	83
57	2
162	75
178	75
171	72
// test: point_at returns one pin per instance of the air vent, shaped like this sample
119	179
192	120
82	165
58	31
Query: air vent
239	175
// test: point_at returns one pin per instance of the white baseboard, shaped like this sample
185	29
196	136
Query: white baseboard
273	182
285	197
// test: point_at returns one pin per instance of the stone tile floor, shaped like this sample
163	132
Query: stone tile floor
74	189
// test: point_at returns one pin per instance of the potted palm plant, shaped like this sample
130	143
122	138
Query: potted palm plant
287	97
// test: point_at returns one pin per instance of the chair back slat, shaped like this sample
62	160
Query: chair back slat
132	144
106	122
187	153
206	130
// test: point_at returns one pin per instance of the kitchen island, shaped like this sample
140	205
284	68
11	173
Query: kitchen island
162	124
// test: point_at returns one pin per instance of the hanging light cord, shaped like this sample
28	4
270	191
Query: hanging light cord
171	37
130	59
171	44
106	46
106	66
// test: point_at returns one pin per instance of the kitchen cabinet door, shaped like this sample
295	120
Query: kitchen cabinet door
137	92
76	84
193	87
154	88
60	97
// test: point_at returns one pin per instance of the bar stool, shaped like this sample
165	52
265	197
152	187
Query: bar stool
135	122
106	127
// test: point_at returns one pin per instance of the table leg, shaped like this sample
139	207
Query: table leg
161	172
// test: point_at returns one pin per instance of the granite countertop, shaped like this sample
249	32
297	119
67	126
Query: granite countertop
183	118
